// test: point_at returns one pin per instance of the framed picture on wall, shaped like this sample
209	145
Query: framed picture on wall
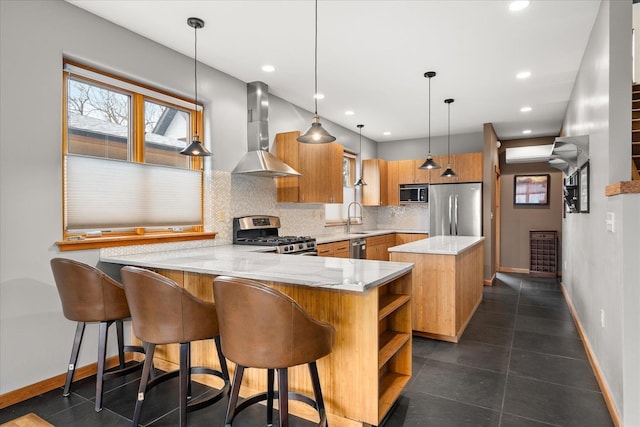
531	190
584	188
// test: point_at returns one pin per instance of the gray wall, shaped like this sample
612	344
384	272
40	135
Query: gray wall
517	221
600	271
418	148
35	338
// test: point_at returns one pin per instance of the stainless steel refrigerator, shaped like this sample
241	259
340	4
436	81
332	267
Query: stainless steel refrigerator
455	209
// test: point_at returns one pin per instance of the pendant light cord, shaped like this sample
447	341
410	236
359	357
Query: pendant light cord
195	75
315	94
449	133
429	116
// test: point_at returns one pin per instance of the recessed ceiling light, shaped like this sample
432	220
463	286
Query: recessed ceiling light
525	109
318	96
518	5
349	113
268	68
387	133
523	75
526	131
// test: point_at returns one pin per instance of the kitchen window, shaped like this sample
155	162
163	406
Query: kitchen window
123	173
336	214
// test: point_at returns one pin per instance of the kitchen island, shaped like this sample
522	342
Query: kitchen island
447	283
368	302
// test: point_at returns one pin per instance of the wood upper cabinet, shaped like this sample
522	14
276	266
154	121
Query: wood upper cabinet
320	166
468	167
393	192
408	172
374	173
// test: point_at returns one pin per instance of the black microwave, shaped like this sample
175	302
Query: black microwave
414	193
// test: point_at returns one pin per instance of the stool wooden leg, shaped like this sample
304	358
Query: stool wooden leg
102	355
283	396
144	379
270	394
120	334
71	369
233	398
317	392
185	381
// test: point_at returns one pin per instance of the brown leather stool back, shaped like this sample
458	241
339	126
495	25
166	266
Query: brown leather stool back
264	328
162	312
87	294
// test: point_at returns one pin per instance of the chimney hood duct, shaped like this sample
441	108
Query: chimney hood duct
258	161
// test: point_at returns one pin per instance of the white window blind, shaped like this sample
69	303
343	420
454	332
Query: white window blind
105	194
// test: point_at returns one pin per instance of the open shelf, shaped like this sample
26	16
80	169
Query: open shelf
390	303
391	385
390	343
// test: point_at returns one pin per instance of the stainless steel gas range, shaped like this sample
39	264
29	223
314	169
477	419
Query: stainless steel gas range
262	230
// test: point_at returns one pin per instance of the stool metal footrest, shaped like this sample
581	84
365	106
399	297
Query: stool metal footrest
272	395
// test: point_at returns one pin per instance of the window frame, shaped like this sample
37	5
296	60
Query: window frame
138	235
351	158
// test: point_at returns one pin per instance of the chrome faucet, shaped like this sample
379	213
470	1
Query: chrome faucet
349	215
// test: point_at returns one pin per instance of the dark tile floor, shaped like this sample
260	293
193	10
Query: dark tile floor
520	363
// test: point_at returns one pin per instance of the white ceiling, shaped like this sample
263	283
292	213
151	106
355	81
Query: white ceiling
372	56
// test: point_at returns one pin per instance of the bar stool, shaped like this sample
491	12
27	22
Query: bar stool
264	328
164	313
89	295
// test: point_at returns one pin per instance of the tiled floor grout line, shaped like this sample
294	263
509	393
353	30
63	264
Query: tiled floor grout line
513	334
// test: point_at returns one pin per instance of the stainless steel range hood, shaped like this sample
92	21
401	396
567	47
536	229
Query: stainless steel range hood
258	161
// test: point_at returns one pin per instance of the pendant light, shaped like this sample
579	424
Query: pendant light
429	163
195	148
360	182
448	172
316	134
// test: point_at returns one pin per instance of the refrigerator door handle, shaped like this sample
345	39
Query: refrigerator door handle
455	210
450	214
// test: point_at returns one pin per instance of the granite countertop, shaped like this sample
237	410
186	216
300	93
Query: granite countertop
359	234
251	262
442	245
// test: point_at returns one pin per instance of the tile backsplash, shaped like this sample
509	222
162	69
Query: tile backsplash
229	195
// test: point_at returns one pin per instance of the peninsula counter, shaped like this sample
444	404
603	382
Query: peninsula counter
447	283
368	302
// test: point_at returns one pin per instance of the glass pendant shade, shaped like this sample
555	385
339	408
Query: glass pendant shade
360	182
448	172
316	134
195	148
429	163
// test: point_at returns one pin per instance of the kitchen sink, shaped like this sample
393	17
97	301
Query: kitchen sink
360	232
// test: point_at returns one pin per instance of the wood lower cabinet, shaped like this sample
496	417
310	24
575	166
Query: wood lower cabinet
320	166
338	249
370	363
378	247
447	290
374	173
402	238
